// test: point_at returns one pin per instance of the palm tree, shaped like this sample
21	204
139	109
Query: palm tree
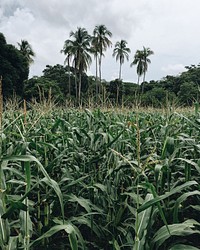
102	35
67	61
26	49
138	60
95	51
141	60
121	52
146	53
79	48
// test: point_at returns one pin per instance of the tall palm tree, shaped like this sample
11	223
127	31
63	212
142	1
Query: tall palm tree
121	52
79	48
102	35
138	60
26	49
95	51
141	60
67	61
146	53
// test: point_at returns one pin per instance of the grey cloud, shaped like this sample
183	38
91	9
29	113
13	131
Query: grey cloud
9	7
167	27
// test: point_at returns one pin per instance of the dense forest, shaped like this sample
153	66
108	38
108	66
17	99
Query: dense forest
70	82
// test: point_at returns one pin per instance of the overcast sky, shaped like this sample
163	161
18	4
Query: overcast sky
169	27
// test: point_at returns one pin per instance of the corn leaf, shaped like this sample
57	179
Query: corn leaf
181	229
166	195
183	247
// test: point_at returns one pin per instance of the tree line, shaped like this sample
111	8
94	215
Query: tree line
71	82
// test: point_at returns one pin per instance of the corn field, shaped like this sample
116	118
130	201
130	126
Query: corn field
82	179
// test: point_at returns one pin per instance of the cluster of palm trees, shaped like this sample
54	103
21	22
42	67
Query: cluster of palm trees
141	60
80	48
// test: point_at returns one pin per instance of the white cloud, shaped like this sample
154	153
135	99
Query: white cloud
173	69
19	23
169	28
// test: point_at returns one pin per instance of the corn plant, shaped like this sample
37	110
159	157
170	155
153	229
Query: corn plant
92	179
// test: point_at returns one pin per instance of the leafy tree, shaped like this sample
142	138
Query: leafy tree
60	75
121	52
155	97
14	69
2	39
188	93
91	89
41	88
129	91
116	90
150	85
171	83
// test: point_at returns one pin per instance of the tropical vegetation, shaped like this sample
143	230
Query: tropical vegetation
14	68
88	164
70	82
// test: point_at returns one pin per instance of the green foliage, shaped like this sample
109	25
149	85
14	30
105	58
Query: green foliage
155	97
60	75
116	91
65	79
184	88
188	93
27	51
14	69
40	88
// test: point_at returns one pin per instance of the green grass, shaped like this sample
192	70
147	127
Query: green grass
99	179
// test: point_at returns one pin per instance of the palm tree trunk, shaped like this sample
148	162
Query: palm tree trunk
96	77
144	76
143	81
1	108
117	95
122	95
79	89
76	86
69	79
100	68
138	82
120	71
102	87
104	94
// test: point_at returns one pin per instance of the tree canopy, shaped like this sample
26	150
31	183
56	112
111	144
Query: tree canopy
14	68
